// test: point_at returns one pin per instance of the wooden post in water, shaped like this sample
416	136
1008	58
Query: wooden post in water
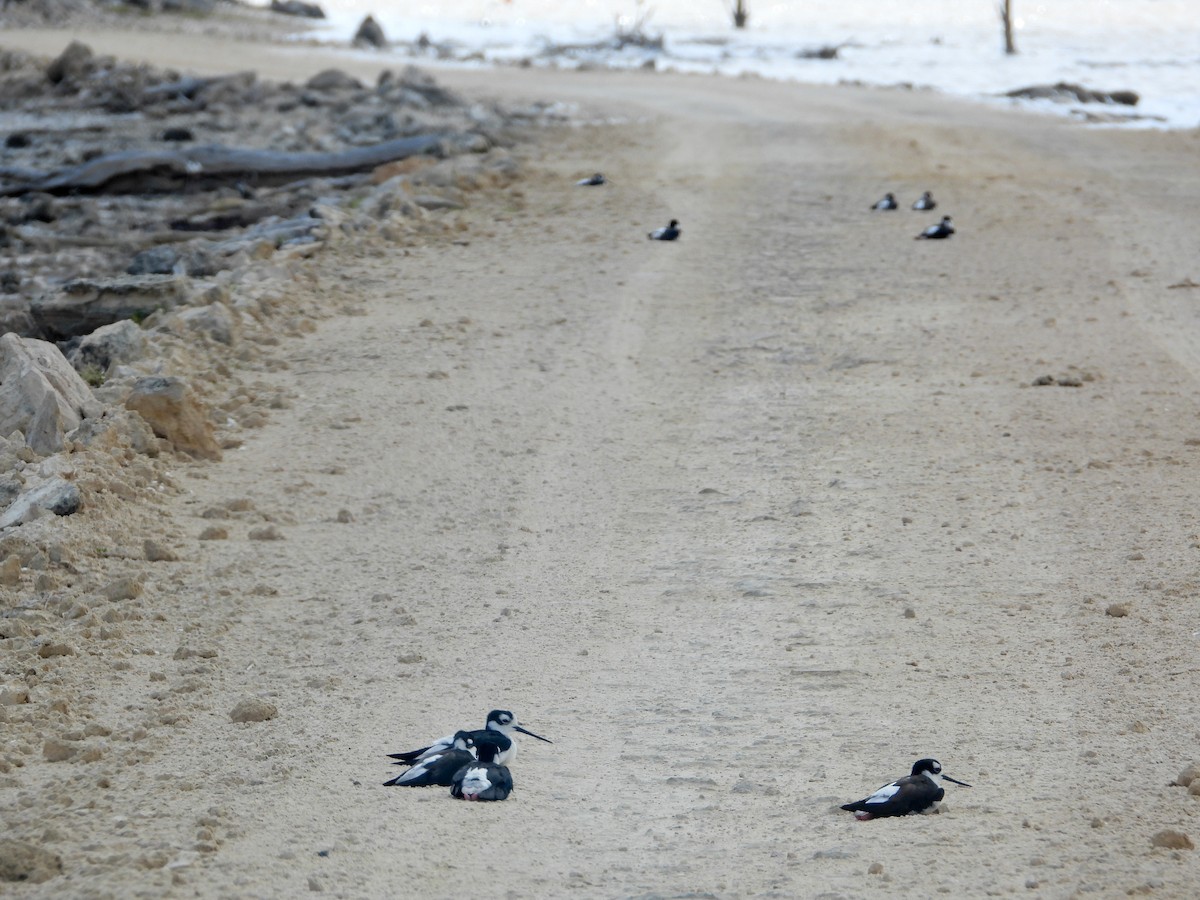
1010	46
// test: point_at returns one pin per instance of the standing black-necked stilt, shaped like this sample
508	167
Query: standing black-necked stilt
484	779
941	230
916	793
668	233
592	181
498	732
438	768
888	202
925	202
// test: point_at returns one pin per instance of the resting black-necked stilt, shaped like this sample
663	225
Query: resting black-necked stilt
941	230
925	202
669	233
438	768
915	793
484	779
498	732
593	181
888	202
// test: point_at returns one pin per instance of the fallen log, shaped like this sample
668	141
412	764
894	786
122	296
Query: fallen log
169	170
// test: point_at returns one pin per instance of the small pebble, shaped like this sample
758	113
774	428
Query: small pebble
1172	840
253	711
876	868
1117	610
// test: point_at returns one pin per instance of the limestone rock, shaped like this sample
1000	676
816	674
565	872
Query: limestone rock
85	304
174	412
333	80
253	711
40	394
116	427
297	8
20	861
55	495
216	321
160	260
73	63
121	342
369	34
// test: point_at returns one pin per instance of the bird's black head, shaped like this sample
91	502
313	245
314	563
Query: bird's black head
932	766
502	717
674	223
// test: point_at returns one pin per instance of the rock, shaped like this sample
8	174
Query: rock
193	7
122	342
1117	610
216	321
128	588
58	751
56	648
40	393
10	571
72	64
1064	91
156	552
1188	775
116	427
333	80
297	8
214	533
160	260
253	711
1169	839
174	412
20	861
85	304
54	495
267	533
369	34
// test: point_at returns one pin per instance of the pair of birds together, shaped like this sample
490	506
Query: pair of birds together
473	764
924	203
669	232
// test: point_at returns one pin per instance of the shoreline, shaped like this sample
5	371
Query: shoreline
744	523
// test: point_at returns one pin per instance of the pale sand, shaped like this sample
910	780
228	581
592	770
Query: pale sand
679	522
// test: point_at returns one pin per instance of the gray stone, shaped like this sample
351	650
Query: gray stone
121	342
216	321
40	394
369	34
333	80
297	8
115	427
160	260
72	64
85	304
55	495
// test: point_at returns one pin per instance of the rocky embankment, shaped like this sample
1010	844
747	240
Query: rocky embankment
143	294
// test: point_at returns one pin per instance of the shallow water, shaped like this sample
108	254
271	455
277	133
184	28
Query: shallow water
955	46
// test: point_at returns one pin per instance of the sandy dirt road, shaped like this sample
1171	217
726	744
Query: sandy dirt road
745	523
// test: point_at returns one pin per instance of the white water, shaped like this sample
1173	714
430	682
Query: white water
955	46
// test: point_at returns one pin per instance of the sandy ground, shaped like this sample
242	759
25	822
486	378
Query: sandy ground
746	524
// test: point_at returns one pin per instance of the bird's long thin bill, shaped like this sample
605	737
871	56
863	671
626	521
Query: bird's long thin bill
531	734
955	780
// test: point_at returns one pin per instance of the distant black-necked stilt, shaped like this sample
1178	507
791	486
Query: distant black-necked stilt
941	230
888	202
593	181
438	768
668	233
915	793
484	779
498	733
925	202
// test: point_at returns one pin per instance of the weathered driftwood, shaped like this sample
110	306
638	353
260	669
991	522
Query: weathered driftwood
1065	90
158	171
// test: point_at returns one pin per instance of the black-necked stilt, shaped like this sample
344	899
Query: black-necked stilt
915	793
438	768
941	230
593	181
888	202
669	233
925	202
485	779
498	732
